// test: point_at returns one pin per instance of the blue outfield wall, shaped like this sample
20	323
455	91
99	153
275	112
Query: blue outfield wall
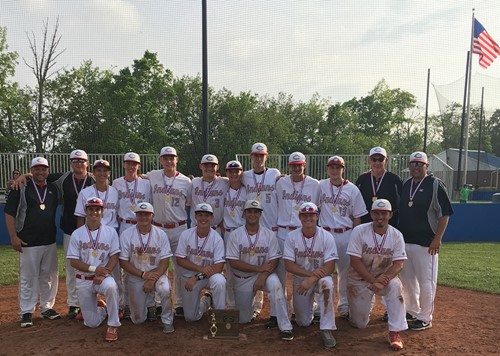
470	223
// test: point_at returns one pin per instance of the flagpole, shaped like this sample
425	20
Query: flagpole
426	109
479	136
462	124
466	128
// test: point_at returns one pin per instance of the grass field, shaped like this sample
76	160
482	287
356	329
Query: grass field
473	266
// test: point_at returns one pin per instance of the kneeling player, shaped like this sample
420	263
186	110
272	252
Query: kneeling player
200	256
253	253
93	253
144	256
377	252
310	254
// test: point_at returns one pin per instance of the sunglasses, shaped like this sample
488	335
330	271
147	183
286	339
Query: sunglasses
308	209
379	159
417	164
78	161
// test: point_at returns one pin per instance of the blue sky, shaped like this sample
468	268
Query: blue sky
338	49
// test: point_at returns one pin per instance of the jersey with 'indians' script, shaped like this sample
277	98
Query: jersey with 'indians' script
109	198
130	194
212	193
291	195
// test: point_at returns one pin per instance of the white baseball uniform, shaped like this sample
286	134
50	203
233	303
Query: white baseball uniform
129	195
262	187
95	248
311	254
257	249
339	205
144	252
109	198
377	253
212	193
203	252
169	196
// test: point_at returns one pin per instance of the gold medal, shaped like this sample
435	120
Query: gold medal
231	213
251	252
197	259
310	259
94	253
258	197
334	209
132	207
410	203
145	256
168	198
42	206
374	198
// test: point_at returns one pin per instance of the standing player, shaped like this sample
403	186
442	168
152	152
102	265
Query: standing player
211	189
145	251
341	209
93	252
310	255
424	212
200	255
253	253
170	191
377	252
30	215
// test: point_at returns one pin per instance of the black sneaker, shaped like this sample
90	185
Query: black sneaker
159	310
73	311
51	314
179	311
316	319
410	317
419	325
26	320
126	312
272	323
293	319
151	314
286	335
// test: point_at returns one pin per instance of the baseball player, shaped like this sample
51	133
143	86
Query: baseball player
310	254
233	217
253	253
211	189
424	213
30	215
342	207
144	255
93	253
200	256
170	190
377	253
260	183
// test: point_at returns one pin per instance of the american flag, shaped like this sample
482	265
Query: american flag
484	45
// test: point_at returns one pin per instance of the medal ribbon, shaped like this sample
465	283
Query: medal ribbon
412	195
37	193
144	247
252	246
232	204
168	189
336	199
105	197
199	249
297	201
309	250
375	191
206	194
259	185
75	186
131	195
378	247
92	242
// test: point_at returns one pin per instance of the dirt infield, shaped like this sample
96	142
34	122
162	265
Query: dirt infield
464	324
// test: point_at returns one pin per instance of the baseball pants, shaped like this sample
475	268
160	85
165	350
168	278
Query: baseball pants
194	306
342	240
173	238
72	298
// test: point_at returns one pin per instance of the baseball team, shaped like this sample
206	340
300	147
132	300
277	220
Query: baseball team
247	231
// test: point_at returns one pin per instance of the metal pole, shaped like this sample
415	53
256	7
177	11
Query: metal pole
479	138
426	109
205	122
459	176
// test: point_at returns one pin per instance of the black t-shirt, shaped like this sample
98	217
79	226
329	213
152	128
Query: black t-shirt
418	222
390	189
70	195
39	226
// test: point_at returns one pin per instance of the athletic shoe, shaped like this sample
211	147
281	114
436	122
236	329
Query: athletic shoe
51	314
72	312
26	320
208	295
168	328
179	311
410	317
328	339
316	319
151	314
79	316
293	319
159	310
126	312
345	316
255	315
286	335
395	340
102	303
419	325
272	323
111	333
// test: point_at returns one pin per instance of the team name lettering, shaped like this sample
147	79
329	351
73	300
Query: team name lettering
328	199
258	249
149	250
265	188
162	190
373	251
213	193
126	195
88	246
295	196
204	254
303	254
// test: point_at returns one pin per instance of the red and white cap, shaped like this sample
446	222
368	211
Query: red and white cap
204	207
209	159
101	163
337	160
234	165
252	204
39	161
308	208
418	157
297	158
378	151
259	148
168	151
144	207
132	157
381	204
94	201
78	154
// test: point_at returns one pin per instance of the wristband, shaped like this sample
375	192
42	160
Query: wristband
92	269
